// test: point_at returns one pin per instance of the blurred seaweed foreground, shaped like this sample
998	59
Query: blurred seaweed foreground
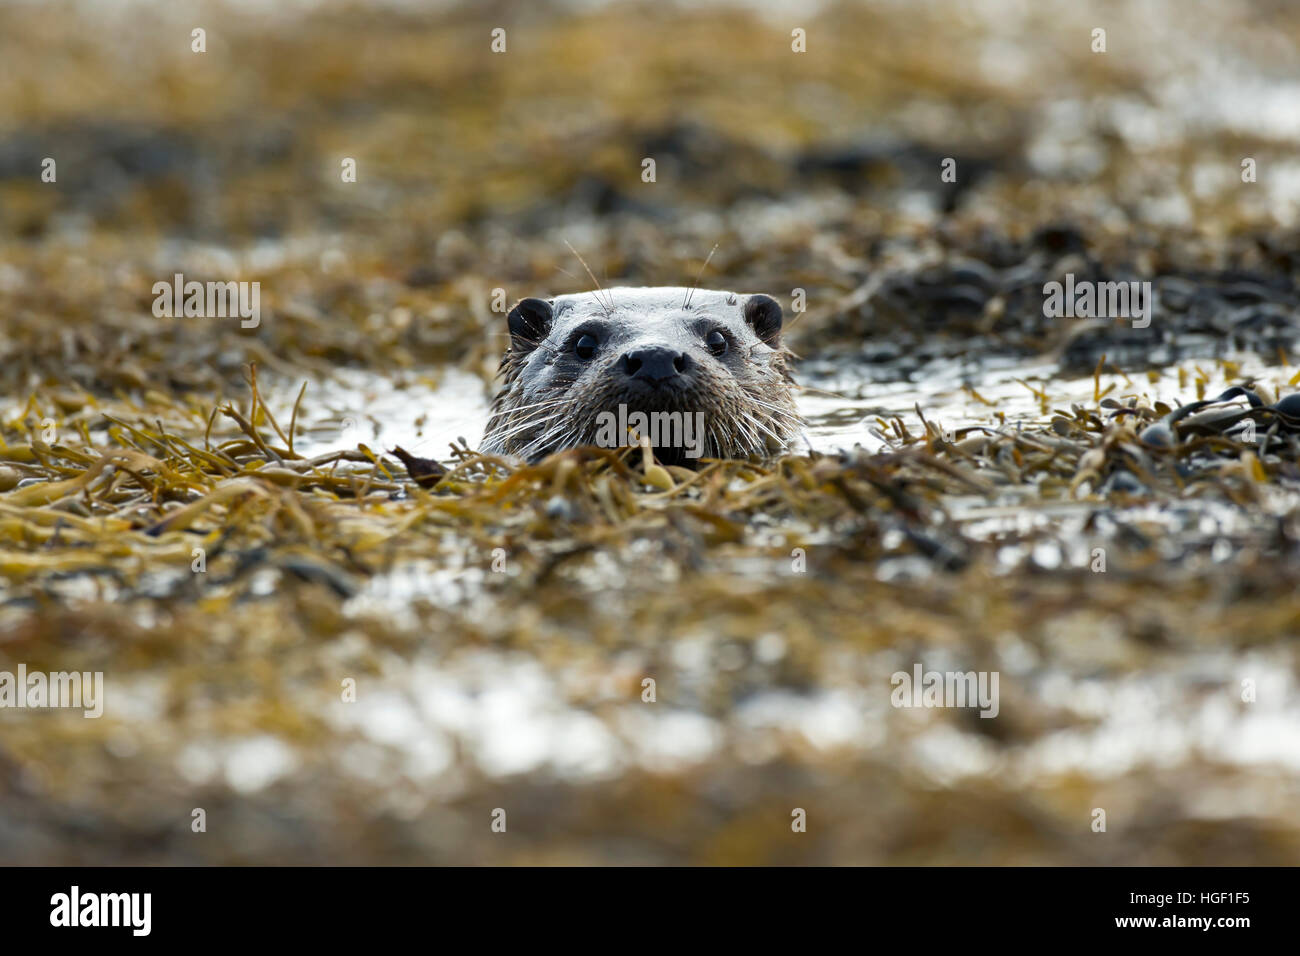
344	652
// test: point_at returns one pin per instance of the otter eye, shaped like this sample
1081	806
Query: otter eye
716	341
586	347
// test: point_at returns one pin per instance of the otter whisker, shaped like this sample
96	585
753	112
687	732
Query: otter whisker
781	412
524	427
729	449
544	403
765	429
747	426
686	302
608	305
562	426
542	444
711	445
775	408
539	408
532	423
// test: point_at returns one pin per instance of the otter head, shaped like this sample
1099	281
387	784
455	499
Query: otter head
701	374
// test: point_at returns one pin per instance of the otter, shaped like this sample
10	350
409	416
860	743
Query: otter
699	373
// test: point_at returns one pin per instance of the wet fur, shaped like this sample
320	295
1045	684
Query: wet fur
747	400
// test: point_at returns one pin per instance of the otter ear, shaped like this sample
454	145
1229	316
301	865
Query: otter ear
529	322
763	313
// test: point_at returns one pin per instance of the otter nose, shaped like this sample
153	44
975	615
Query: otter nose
654	363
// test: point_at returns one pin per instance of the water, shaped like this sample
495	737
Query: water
842	404
515	715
